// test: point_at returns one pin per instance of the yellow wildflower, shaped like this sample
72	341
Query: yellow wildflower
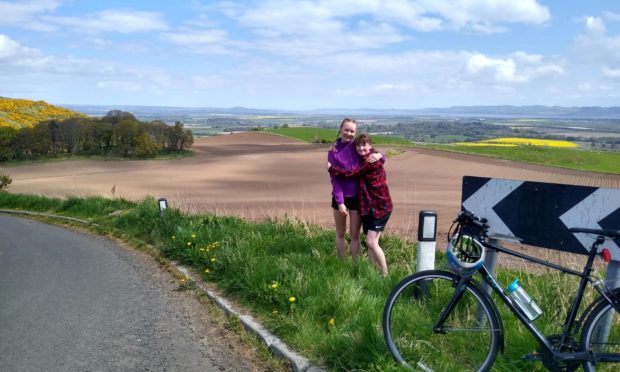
212	259
292	299
332	322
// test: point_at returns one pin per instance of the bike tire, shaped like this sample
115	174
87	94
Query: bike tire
470	340
602	340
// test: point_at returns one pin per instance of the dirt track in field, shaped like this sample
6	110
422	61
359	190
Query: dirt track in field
255	175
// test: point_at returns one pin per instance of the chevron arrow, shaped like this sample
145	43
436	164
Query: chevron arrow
485	198
589	212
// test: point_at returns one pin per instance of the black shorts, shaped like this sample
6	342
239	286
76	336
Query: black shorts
352	203
369	222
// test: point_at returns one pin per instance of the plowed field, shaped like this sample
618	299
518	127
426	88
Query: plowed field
255	175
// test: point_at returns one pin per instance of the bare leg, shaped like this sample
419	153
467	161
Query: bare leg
341	225
355	224
375	252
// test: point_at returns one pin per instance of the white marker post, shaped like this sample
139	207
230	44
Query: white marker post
427	240
163	205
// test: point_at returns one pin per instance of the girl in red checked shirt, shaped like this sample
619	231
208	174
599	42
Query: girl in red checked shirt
375	202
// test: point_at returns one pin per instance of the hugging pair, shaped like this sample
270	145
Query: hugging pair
359	191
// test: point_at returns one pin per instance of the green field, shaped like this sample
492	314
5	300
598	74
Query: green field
594	161
324	135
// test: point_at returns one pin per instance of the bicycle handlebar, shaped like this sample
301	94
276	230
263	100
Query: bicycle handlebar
467	218
612	234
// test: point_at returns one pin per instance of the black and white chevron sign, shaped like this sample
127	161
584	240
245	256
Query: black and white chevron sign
540	214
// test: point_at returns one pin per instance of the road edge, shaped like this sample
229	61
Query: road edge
273	343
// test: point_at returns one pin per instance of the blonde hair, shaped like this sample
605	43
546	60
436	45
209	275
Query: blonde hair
344	121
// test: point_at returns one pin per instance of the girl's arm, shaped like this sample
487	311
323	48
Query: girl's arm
357	171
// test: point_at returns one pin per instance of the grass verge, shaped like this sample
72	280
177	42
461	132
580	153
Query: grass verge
286	272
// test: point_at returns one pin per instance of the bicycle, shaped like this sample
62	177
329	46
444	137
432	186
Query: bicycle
442	320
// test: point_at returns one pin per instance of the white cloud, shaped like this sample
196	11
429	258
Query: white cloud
519	67
595	46
611	16
392	87
322	27
613	73
121	21
11	51
130	86
203	41
26	12
487	16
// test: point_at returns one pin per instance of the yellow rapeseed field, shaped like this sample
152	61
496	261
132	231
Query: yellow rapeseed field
516	141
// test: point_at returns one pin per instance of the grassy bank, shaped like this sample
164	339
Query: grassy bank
286	272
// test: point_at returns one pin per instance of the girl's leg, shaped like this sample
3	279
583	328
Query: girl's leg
355	224
341	226
375	252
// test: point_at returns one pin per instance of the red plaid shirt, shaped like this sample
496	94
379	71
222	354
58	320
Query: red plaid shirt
374	193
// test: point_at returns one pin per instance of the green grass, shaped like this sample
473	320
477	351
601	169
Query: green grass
324	135
594	161
263	265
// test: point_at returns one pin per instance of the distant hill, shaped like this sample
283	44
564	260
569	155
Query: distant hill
506	111
558	112
20	113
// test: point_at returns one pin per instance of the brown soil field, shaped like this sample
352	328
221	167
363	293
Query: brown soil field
256	175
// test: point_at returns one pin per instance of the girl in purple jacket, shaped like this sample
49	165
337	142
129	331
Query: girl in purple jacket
345	191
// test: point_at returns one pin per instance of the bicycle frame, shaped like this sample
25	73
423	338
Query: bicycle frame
569	323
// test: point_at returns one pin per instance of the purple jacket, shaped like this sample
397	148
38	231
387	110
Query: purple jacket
345	156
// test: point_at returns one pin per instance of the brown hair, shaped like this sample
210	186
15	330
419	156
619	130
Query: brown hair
344	121
363	138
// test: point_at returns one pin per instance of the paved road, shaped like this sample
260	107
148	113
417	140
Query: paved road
75	302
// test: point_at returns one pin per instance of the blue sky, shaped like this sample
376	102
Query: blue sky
277	54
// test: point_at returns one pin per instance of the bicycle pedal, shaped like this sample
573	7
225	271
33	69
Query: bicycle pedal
533	356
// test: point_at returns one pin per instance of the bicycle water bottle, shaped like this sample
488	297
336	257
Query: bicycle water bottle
523	300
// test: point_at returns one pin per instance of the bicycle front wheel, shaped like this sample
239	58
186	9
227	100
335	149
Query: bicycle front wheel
468	339
601	336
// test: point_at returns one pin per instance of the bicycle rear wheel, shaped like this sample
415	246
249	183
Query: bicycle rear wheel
601	336
468	339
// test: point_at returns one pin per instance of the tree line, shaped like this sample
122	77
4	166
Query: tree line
118	133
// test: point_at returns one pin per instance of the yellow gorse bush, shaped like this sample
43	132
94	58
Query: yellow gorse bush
20	113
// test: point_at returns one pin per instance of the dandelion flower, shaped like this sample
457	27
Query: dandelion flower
274	285
207	270
274	312
202	249
173	237
332	322
212	259
292	299
193	236
189	243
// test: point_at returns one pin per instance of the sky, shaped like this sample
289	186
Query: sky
312	54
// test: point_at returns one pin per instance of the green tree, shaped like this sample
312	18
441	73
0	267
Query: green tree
146	146
5	181
7	136
127	132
